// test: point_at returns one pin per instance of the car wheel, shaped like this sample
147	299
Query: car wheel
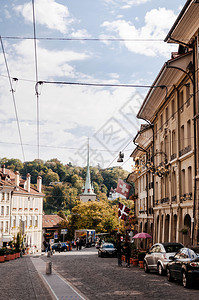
160	270
185	280
146	269
65	250
169	277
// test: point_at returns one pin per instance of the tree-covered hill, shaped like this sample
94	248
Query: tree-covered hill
63	183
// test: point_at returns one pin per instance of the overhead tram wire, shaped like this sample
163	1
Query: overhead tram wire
13	98
83	39
36	75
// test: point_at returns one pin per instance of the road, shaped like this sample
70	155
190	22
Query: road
101	278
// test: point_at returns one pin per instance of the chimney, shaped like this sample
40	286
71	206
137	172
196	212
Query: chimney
4	169
17	178
28	182
39	183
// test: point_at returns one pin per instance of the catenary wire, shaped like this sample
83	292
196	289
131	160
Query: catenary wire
36	73
13	98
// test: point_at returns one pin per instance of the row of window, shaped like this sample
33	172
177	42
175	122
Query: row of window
171	109
5	210
27	221
4	226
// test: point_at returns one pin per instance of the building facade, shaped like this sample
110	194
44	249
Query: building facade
171	108
22	205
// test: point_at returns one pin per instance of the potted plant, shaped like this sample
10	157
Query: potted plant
7	254
2	255
184	230
134	257
141	256
12	254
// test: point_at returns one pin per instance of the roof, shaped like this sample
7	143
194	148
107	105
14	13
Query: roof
164	82
7	177
51	221
186	24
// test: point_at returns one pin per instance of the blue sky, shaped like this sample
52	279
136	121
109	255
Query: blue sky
69	114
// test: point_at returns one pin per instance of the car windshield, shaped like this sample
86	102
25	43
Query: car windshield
108	246
172	248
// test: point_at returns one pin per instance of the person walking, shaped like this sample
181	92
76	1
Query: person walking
127	252
119	253
59	246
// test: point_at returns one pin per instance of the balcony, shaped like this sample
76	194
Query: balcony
164	200
186	197
173	156
185	150
173	198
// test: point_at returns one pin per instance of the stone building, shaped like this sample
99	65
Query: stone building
171	107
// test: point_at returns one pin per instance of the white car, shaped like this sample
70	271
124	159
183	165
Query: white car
158	255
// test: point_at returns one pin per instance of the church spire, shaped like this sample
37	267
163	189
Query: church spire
88	187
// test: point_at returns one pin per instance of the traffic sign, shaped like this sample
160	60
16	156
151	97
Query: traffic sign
64	231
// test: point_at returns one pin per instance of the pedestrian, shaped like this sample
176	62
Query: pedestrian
127	252
59	246
119	253
77	244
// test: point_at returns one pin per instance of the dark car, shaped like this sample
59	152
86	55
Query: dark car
64	247
184	266
158	255
107	249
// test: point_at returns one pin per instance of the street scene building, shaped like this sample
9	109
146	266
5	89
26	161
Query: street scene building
166	159
21	209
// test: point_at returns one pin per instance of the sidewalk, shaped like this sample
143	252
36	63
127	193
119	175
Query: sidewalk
59	287
20	281
26	279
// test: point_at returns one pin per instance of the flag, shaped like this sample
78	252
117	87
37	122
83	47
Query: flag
123	188
123	211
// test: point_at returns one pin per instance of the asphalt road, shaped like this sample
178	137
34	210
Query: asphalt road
101	278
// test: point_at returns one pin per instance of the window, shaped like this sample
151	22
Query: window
161	122
6	229
1	226
183	182
182	137
181	101
188	94
7	210
188	132
190	179
155	131
2	210
173	109
167	115
173	142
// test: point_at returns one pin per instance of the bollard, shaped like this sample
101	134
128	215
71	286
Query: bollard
49	268
48	254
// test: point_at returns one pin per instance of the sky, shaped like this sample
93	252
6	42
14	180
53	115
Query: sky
102	42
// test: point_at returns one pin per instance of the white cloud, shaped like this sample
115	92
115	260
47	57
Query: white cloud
157	24
47	12
125	4
51	63
82	33
68	114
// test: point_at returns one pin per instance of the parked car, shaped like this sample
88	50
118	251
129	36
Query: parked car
64	247
184	266
107	249
157	257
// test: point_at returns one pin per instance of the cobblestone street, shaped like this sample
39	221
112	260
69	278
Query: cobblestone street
101	278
